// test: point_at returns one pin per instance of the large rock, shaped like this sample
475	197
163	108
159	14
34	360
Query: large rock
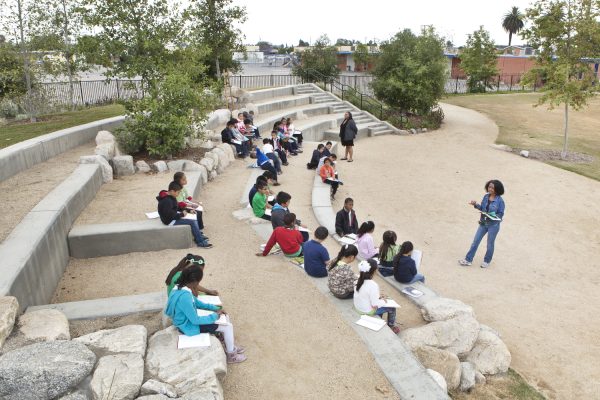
213	156
193	166
442	361
442	309
9	307
153	397
106	150
223	159
439	379
142	166
79	394
38	326
118	377
160	166
212	175
490	355
126	339
123	165
218	119
228	150
188	370
208	163
107	171
44	370
457	335
153	386
176	165
105	137
467	376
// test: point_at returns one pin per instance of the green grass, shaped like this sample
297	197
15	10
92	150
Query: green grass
511	386
15	132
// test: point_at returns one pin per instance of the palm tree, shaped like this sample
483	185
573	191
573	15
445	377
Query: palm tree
513	22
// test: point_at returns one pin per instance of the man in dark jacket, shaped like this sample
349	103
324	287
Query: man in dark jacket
171	214
228	137
345	219
316	156
280	210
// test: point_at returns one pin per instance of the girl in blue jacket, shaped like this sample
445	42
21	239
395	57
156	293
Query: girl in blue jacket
182	308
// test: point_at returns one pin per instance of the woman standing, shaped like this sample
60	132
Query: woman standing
492	213
348	131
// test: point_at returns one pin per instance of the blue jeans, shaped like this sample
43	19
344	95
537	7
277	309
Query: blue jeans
386	268
417	278
391	314
267	166
196	232
275	159
491	231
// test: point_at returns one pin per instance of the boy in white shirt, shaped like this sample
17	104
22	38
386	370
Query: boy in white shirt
270	153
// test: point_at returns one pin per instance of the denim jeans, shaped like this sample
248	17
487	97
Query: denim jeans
417	278
491	231
391	314
275	160
196	232
269	167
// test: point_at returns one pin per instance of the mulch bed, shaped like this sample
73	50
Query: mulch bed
554	155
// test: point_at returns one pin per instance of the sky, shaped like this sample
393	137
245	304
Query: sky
285	21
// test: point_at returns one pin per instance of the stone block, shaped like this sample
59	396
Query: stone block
9	307
212	175
467	376
442	309
439	379
107	171
160	166
153	386
489	354
142	166
38	326
176	165
208	163
118	377
218	119
104	137
524	153
123	165
228	150
442	361
126	339
106	150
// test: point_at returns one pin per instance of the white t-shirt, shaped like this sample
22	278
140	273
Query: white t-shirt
367	297
267	148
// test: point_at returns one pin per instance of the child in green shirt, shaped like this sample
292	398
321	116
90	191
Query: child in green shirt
184	197
259	202
387	251
186	262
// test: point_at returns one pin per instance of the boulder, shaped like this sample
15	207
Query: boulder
479	378
228	150
212	175
45	370
442	361
490	355
404	132
38	326
103	137
153	397
442	309
524	153
200	394
126	339
218	119
188	370
118	377
160	166
106	150
176	165
237	92
78	394
123	165
192	166
142	166
107	171
214	157
208	163
9	307
202	144
153	386
413	131
203	173
467	376
439	379
223	159
457	335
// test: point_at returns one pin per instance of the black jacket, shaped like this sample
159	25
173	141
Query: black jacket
168	208
314	160
226	135
404	268
342	225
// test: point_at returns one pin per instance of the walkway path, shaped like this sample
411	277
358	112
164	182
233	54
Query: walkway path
541	292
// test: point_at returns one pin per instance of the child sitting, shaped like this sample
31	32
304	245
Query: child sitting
316	256
345	219
265	164
367	299
332	158
296	134
187	262
405	269
366	248
288	239
276	142
182	308
266	177
171	214
341	277
270	153
387	252
228	137
316	156
193	206
259	201
327	151
281	209
327	174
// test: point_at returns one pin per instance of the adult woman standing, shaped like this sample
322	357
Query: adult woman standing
492	213
348	131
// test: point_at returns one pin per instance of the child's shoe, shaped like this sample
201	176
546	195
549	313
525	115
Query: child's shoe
233	358
239	350
395	329
206	246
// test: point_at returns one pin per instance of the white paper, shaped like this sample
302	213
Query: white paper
303	229
271	198
411	291
417	255
236	141
214	300
190	216
375	324
347	240
152	215
391	303
186	342
353	236
268	211
221	321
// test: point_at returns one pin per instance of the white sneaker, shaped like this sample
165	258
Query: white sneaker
465	263
484	265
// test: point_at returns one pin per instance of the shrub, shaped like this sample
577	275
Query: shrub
8	109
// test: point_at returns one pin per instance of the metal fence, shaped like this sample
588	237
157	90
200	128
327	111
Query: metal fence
86	93
263	81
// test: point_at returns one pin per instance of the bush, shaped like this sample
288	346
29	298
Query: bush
8	109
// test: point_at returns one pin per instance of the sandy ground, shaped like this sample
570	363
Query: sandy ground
541	291
20	193
298	345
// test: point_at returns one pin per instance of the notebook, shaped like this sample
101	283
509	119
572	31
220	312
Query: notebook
152	215
221	321
411	291
214	300
186	342
391	303
375	324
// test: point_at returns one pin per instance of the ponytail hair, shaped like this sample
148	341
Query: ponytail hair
188	260
366	275
389	240
347	250
366	227
406	247
191	274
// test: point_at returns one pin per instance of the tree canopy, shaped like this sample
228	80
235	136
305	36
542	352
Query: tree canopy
479	61
322	58
513	22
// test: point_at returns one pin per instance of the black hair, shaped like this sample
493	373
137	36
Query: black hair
265	141
174	186
348	200
232	121
289	219
327	159
498	186
389	240
366	275
333	155
245	114
406	247
328	143
188	260
275	131
288	120
347	250
283	197
269	175
349	115
251	112
321	233
320	146
247	121
261	178
177	177
240	113
192	274
365	227
261	185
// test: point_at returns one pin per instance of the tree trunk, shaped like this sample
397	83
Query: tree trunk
563	154
25	56
509	38
218	68
68	56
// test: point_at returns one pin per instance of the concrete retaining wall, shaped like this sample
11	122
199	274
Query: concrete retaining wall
23	155
265	94
35	254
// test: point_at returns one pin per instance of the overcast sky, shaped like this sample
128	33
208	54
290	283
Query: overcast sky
285	21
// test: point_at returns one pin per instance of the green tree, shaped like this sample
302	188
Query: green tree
411	71
302	43
344	42
513	22
362	56
213	25
564	33
12	83
320	58
478	60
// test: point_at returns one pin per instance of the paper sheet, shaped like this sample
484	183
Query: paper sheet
215	300
391	303
152	215
221	321
186	342
375	324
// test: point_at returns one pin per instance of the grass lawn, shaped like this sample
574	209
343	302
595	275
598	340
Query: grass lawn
510	386
523	126
15	132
